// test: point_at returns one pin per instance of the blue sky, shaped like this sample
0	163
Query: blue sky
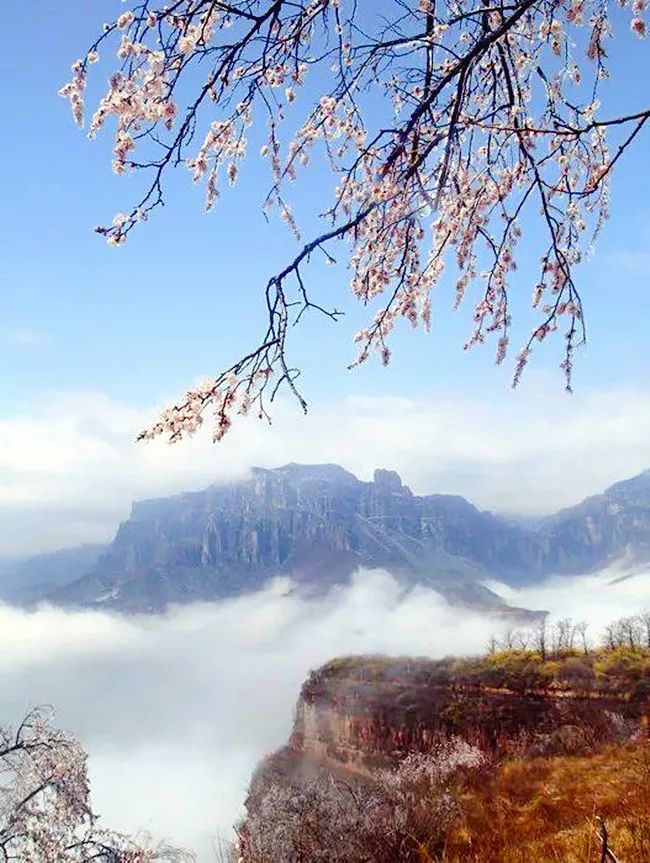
94	339
181	299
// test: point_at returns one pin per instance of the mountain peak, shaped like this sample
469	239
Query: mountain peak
318	523
634	485
387	479
303	472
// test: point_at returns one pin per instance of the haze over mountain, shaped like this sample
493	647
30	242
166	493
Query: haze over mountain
26	579
319	523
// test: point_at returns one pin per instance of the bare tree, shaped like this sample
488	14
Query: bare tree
610	636
540	638
443	124
523	638
630	631
645	623
558	636
563	635
580	630
45	812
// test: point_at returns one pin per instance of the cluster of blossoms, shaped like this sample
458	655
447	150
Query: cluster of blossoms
74	89
45	814
398	814
443	126
228	395
226	141
637	24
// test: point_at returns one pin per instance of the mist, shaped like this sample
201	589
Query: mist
69	466
175	711
598	598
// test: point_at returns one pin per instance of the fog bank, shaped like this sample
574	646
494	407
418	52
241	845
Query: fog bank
175	711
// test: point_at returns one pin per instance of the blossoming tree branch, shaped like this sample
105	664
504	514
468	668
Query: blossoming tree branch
45	813
443	123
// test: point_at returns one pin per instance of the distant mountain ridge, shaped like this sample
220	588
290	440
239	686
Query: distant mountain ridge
25	579
601	528
319	523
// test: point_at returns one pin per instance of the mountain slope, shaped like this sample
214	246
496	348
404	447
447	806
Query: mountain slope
28	578
601	528
319	523
316	523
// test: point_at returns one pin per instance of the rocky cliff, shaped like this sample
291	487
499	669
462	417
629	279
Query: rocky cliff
316	523
319	523
382	732
600	529
359	714
366	711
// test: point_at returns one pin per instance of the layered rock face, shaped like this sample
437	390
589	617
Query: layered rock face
357	715
319	523
372	711
601	528
371	729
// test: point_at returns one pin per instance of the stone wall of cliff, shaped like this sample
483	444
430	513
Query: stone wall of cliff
358	719
319	523
358	714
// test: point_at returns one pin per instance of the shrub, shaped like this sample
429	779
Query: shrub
401	814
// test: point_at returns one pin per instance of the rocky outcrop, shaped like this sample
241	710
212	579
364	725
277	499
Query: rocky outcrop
318	523
359	714
365	711
381	732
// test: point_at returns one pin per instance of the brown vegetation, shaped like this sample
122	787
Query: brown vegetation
604	670
546	810
524	810
560	754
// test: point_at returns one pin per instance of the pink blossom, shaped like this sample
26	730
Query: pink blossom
638	26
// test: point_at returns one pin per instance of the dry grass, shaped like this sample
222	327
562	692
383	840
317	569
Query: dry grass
544	810
530	807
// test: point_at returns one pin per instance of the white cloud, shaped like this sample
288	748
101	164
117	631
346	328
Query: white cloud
26	338
70	468
637	261
176	710
598	597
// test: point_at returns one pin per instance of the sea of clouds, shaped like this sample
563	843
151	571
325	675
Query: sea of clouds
176	710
